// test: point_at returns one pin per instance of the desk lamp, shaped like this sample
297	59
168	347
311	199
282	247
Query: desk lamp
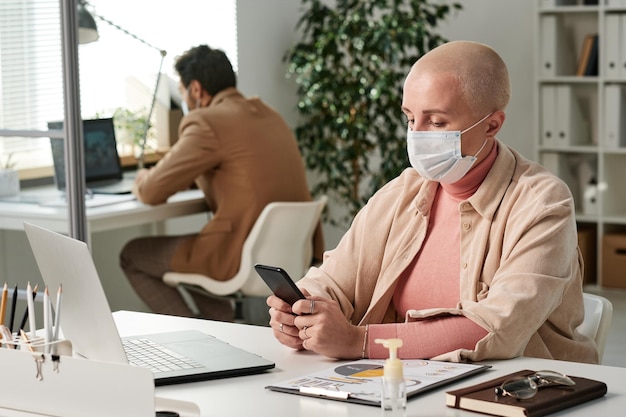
88	32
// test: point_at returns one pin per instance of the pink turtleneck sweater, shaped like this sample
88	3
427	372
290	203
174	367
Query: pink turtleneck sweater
432	279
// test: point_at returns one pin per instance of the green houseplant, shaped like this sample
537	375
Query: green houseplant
130	125
9	177
349	66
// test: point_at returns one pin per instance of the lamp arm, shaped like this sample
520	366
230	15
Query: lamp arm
144	139
121	29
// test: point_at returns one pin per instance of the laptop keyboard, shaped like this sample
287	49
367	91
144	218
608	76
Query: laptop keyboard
145	353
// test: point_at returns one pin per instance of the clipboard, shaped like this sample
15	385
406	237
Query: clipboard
359	382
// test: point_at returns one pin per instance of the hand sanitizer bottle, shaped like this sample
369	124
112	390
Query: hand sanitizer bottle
393	402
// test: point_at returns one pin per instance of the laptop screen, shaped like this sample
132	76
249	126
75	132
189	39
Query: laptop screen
102	161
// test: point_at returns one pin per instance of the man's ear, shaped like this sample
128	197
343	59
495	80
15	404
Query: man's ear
195	88
199	93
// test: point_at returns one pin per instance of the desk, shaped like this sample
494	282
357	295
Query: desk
115	224
101	218
247	396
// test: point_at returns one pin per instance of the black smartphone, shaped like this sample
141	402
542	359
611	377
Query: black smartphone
280	283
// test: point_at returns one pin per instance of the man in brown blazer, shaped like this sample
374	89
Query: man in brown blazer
241	154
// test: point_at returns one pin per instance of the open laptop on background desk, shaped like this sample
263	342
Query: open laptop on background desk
87	322
103	171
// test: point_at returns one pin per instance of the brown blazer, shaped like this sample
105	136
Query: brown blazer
242	155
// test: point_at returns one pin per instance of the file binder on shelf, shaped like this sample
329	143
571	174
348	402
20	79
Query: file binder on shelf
614	51
562	120
556	53
619	41
571	123
615	102
611	51
548	115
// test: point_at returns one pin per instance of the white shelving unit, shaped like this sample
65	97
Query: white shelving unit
581	121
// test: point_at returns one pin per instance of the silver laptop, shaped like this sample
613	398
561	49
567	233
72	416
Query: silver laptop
103	170
86	320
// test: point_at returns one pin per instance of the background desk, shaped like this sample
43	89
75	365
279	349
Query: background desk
102	218
247	396
109	227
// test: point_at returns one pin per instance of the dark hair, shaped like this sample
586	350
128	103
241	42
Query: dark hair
210	67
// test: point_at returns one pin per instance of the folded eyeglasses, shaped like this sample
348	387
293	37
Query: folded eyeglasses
526	387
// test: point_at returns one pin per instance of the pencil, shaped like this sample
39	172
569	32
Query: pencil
31	294
26	341
57	320
3	303
13	305
46	319
30	301
57	315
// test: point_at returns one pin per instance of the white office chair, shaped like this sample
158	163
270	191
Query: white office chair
281	236
598	315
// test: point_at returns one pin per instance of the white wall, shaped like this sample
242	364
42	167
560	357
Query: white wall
507	26
266	30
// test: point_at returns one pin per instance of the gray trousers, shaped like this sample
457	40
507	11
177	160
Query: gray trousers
144	261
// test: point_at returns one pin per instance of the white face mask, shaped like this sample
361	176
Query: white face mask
436	155
184	107
183	103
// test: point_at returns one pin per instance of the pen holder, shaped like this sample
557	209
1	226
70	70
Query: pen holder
38	344
43	384
60	347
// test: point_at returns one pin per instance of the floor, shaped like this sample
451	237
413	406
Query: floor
615	351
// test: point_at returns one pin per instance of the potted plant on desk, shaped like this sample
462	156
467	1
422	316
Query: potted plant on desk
130	129
9	178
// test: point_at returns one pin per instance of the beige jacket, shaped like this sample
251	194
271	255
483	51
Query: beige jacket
242	155
520	272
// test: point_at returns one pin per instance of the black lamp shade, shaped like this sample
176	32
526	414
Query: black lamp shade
87	29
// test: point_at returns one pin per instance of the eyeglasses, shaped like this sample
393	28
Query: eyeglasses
523	388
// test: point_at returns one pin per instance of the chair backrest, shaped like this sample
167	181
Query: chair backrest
598	315
282	236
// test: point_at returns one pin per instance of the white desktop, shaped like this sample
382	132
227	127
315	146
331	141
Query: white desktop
247	396
99	389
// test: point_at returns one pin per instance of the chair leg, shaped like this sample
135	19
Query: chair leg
236	301
238	304
188	299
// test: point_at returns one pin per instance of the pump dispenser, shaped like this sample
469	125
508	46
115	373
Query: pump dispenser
394	388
